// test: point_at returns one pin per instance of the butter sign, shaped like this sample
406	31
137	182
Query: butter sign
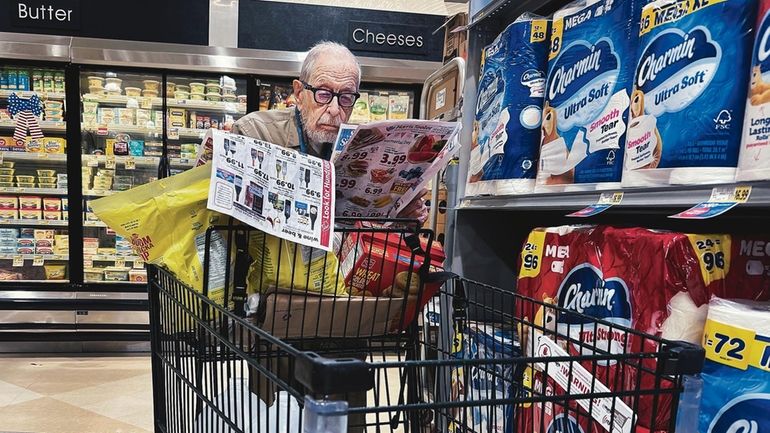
46	14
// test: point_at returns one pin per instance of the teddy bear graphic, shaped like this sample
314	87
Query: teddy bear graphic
637	110
549	134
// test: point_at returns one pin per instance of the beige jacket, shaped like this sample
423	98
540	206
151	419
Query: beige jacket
274	126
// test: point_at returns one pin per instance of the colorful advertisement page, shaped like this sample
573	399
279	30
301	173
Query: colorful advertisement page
385	165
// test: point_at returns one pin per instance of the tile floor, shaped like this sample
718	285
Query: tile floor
76	395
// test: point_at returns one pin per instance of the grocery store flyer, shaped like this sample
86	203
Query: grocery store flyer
271	188
385	165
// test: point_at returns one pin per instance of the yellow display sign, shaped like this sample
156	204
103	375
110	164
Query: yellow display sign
556	38
734	346
713	255
539	31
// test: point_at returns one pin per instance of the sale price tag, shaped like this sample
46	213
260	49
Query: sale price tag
606	201
109	162
722	199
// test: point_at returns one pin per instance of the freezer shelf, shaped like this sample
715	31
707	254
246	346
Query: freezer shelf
41	191
33	157
35	223
4	94
50	257
139	161
45	125
122	100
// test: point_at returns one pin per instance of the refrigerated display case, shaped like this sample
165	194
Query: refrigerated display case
34	241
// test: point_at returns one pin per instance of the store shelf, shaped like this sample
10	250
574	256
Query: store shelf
183	162
138	283
94	224
117	129
97	193
509	10
35	191
139	161
34	223
32	156
38	281
122	100
670	197
52	257
106	258
4	94
44	125
192	133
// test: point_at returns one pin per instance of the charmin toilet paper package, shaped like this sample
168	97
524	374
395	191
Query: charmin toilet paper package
754	158
484	382
736	373
590	69
656	282
688	99
506	134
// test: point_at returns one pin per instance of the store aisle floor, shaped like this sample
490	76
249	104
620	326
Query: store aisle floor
76	395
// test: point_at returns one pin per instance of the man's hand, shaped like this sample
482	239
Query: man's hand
416	209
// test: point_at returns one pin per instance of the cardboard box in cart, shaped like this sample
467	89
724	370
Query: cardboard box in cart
372	262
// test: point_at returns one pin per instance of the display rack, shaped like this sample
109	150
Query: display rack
499	225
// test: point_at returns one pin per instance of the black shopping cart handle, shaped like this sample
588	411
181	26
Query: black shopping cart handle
325	376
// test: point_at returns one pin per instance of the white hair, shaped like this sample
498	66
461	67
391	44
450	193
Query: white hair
326	47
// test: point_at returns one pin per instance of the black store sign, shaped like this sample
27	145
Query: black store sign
171	21
296	27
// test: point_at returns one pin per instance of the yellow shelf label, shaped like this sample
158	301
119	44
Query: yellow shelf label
727	344
532	254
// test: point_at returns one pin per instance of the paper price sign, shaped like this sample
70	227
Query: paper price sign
120	263
18	261
173	133
109	162
138	264
145	103
88	263
38	261
130	163
92	161
611	198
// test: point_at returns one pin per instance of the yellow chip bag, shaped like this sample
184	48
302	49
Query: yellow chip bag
166	223
282	264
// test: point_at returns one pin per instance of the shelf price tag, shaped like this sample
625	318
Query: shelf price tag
130	163
138	264
145	103
92	161
109	162
606	201
173	133
38	261
120	262
88	262
18	261
722	199
42	155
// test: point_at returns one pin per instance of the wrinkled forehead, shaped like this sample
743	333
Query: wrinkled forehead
335	73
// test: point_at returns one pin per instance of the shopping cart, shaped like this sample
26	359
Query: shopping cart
471	360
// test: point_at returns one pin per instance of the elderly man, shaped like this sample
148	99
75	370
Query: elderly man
326	91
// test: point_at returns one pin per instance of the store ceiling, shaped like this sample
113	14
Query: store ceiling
432	7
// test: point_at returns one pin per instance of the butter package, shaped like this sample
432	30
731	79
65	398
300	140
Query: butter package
688	103
506	134
30	203
30	214
754	156
9	214
9	202
590	71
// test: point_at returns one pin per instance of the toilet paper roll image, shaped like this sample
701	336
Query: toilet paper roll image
643	143
553	152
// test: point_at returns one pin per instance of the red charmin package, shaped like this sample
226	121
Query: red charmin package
656	282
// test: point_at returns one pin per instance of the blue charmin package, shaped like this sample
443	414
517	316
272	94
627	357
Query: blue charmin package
689	92
506	132
736	374
590	69
487	381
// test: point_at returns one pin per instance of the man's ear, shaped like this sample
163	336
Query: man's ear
298	87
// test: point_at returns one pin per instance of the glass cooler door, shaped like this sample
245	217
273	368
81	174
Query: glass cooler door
122	146
195	104
34	241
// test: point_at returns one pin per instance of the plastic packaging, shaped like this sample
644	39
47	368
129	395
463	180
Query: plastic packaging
506	130
590	72
692	70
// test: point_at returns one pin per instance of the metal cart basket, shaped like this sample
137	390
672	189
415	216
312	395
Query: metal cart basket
444	355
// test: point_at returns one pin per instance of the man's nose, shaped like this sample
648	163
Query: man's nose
334	107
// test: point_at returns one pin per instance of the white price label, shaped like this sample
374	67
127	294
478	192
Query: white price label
738	194
42	155
18	261
38	261
145	103
138	264
613	198
120	262
92	161
88	263
109	162
173	133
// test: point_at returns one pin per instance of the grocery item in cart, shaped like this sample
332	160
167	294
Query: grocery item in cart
754	156
506	130
485	382
166	222
736	378
656	282
692	69
590	70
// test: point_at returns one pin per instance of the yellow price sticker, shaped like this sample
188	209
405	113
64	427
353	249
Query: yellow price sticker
738	194
18	261
539	31
727	344
130	163
38	261
138	264
109	162
120	263
612	198
173	133
42	155
741	193
145	103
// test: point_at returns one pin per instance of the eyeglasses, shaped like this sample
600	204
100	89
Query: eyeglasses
325	96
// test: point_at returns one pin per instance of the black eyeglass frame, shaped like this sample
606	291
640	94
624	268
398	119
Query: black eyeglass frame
313	89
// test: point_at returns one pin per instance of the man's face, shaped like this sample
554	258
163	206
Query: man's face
322	121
